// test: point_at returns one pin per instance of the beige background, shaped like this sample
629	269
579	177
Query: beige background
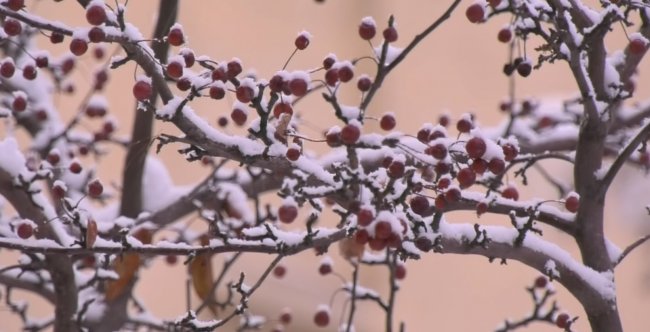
457	69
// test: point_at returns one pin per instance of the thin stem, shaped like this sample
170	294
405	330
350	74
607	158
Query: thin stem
353	302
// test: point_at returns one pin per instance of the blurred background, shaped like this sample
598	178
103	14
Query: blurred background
457	69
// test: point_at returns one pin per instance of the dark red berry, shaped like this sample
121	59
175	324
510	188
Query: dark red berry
350	134
293	153
361	236
452	195
233	68
238	116
396	169
475	147
217	92
322	318
505	35
497	166
510	193
524	68
365	217
185	84
562	320
541	282
12	27
364	83
30	72
42	61
420	205
423	244
175	69
142	90
345	73
95	14
367	29
219	74
444	120
58	192
325	269
390	34
285	318
464	125
333	138
7	69
25	230
56	38
245	94
282	108
509	151
479	166
190	59
637	46
475	13
400	272
466	178
95	189
75	167
494	3
387	122
171	259
19	104
287	213
302	41
15	5
481	208
298	87
572	203
383	229
279	271
78	46
175	37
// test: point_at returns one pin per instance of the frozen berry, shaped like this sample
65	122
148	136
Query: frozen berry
365	217
637	46
364	83
175	37
497	166
464	125
345	73
95	189
524	68
245	94
293	154
325	269
367	29
396	169
475	147
505	35
302	41
75	167
298	87
350	134
142	90
175	69
7	69
78	46
390	34
572	203
29	72
400	272
383	229
322	318
95	14
56	38
481	208
12	27
420	205
238	116
562	320
466	177
510	193
15	5
217	92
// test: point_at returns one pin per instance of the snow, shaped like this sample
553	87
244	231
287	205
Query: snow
158	190
12	161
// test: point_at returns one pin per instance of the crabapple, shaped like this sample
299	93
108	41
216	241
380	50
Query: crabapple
287	213
25	230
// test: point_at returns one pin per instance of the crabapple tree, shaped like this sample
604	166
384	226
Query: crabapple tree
82	242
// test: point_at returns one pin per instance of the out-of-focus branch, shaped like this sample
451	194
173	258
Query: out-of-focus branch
34	287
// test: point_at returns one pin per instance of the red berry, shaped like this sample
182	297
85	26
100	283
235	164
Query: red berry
15	5
56	38
510	193
505	35
541	282
345	73
479	166
322	318
524	68
293	154
390	34
442	168
171	259
95	14
285	318
25	231
19	104
142	90
78	46
443	183
475	13
42	61
367	29
464	125
329	61
279	271
383	229
41	115
365	217
509	151
452	195
361	236
233	68
440	202
245	94
572	203
325	269
219	74
175	37
7	69
475	147
95	189
423	244
331	76
189	58
175	69
481	208
377	244
281	108
185	84
387	122
466	177
562	320
350	134
364	83
275	84
423	135
12	27
302	41
287	213
396	169
333	139
298	87
637	46
223	121
29	72
420	205
497	166
75	167
217	92
400	272
53	158
238	116
58	192
443	120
